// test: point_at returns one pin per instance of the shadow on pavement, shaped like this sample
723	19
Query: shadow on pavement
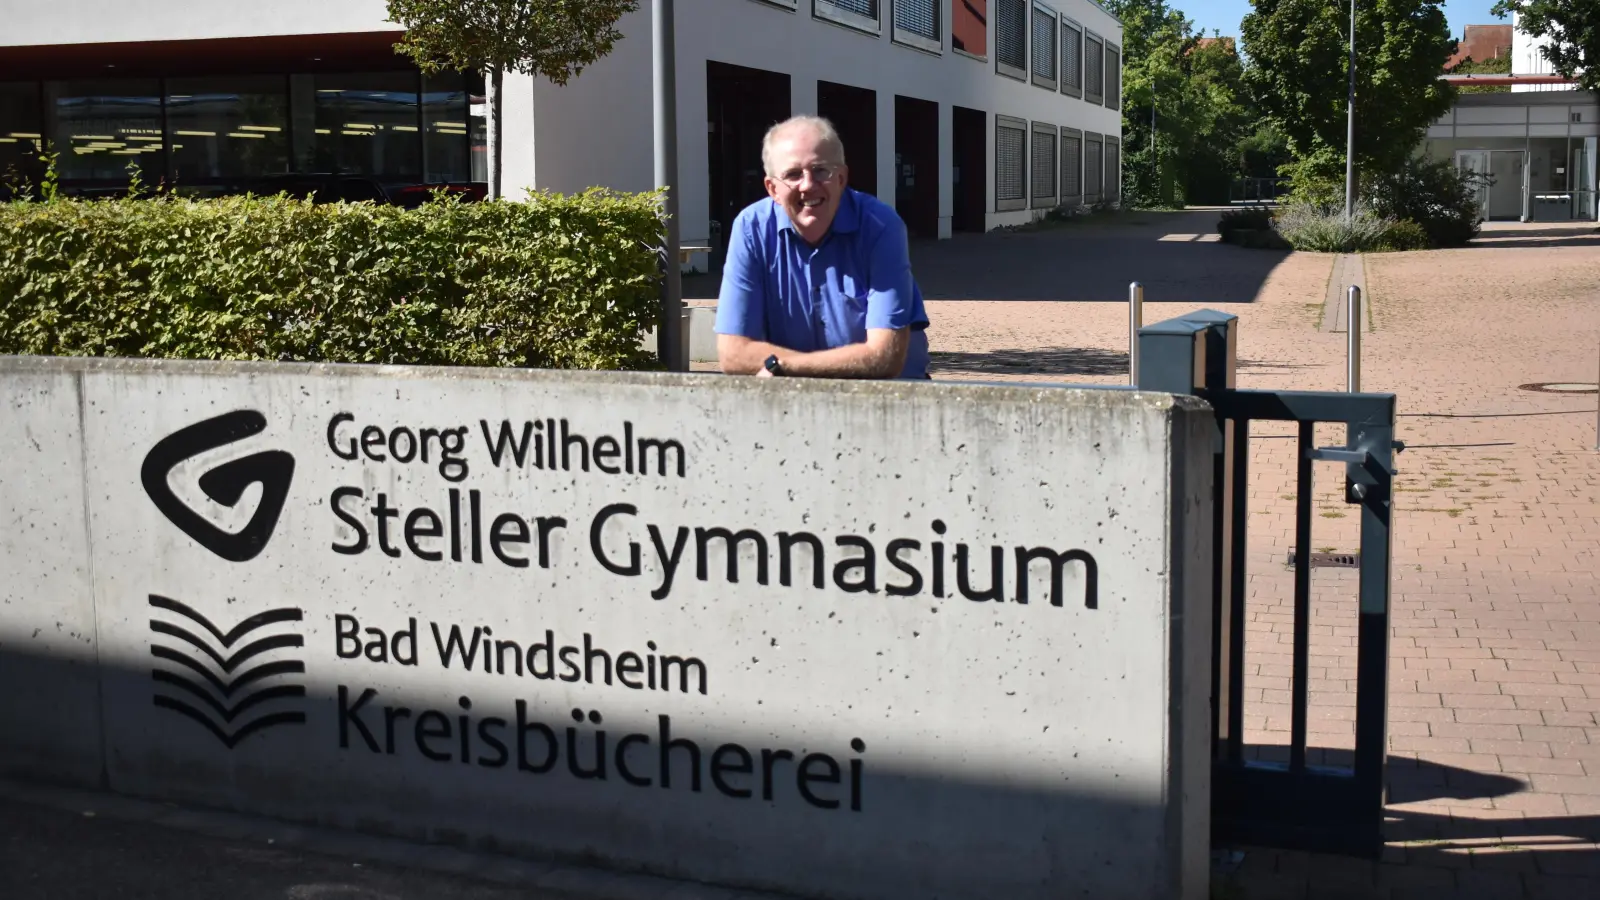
1056	361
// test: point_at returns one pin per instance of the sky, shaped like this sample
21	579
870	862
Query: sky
1225	15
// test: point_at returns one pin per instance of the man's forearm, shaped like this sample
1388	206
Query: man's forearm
747	357
849	361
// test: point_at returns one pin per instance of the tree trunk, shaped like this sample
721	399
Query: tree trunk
494	81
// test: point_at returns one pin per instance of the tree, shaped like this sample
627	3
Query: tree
1573	27
555	39
1182	105
1299	53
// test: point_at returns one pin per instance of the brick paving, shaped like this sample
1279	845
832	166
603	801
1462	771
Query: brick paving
1494	763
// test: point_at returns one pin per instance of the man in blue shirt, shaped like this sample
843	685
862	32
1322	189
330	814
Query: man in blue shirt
817	280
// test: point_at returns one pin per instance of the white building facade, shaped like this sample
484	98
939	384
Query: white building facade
965	114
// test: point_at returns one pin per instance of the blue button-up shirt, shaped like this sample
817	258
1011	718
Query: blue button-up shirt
778	289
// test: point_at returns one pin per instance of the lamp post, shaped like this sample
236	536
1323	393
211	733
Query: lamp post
1350	127
669	336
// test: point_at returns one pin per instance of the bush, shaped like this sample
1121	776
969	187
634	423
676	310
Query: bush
1404	235
1244	220
1325	229
1432	194
556	282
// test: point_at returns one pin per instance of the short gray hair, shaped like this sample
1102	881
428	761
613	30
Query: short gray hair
827	135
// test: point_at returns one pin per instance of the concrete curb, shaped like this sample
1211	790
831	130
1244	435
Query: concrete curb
1348	269
552	881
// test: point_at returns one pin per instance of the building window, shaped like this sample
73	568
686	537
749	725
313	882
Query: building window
916	24
1010	164
21	136
860	14
1094	72
1113	77
227	129
969	27
446	127
1011	38
1044	161
1113	190
1044	46
366	124
100	128
1071	58
1093	171
1071	167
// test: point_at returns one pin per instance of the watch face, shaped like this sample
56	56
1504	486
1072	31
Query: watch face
772	364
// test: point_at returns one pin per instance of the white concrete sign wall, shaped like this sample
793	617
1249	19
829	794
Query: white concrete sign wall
850	641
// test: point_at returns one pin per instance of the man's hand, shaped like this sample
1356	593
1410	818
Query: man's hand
882	355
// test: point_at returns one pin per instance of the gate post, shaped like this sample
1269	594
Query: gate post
1198	355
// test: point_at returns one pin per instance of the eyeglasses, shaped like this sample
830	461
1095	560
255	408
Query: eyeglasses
820	173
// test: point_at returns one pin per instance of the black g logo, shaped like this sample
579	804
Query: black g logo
225	484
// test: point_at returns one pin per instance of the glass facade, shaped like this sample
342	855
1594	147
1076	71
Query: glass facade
228	133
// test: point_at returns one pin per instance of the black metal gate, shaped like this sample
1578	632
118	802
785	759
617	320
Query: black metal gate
1293	804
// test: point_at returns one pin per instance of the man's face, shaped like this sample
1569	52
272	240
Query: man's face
806	181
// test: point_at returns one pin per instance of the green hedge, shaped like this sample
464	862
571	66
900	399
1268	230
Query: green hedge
555	282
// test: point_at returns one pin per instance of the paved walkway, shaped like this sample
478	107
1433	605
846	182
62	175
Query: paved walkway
1495	750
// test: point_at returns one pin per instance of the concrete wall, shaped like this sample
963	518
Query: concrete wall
598	128
881	732
99	21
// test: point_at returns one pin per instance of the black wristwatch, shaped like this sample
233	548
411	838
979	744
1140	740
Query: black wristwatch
773	365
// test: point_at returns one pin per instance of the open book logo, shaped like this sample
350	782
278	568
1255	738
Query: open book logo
232	683
225	483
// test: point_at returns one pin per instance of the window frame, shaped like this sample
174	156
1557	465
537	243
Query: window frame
1106	145
1097	139
917	41
790	5
980	57
1090	37
1012	122
1112	98
825	11
1038	80
1001	67
1061	162
1053	199
1070	90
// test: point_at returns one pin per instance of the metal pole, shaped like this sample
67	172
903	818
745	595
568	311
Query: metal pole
1353	327
1350	126
1135	322
670	343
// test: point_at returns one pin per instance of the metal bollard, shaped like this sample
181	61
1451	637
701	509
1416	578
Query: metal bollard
1135	322
1353	328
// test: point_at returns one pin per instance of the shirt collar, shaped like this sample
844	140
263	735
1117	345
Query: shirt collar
846	221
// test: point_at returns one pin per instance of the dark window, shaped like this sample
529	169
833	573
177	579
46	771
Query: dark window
1113	168
969	26
1044	47
1044	162
1071	59
21	135
918	19
227	128
446	128
1071	168
1094	73
1113	77
101	128
1092	168
1010	163
367	125
1011	37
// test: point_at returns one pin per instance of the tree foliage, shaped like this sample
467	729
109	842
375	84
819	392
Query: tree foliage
553	38
1573	27
1195	89
1497	65
1299	52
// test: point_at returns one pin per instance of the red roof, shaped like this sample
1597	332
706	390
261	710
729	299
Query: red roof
1481	42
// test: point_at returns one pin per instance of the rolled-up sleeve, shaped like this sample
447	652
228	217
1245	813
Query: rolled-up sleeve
890	299
741	306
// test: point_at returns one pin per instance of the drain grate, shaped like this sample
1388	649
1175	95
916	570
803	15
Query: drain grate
1329	560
